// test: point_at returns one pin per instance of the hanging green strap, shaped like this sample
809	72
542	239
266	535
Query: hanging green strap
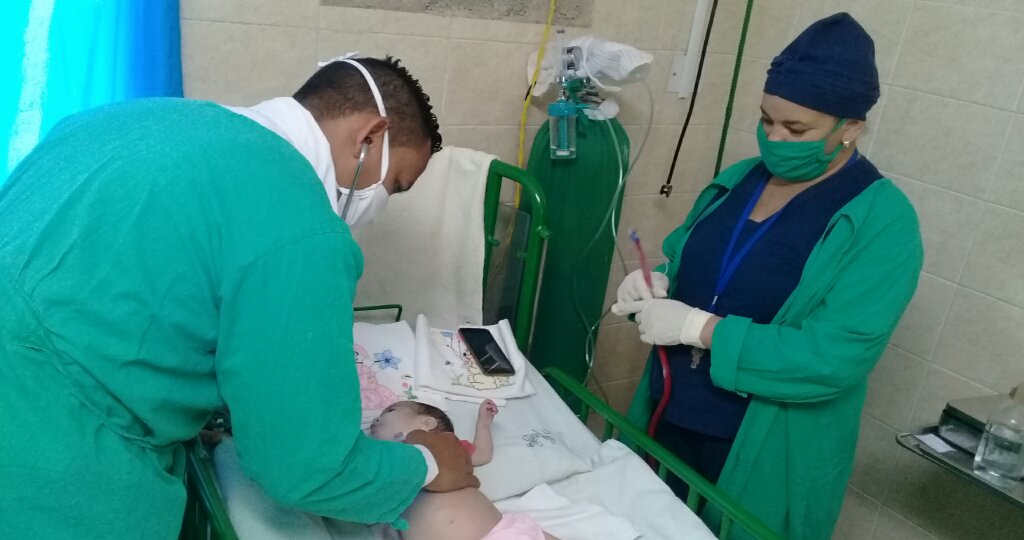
732	88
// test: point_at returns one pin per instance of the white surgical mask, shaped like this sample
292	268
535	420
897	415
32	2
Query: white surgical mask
359	207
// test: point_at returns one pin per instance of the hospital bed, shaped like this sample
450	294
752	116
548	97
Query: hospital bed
618	480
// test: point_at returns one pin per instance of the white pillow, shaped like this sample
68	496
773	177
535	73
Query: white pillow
524	459
253	514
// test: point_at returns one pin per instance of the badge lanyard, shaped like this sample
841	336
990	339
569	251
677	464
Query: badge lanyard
731	262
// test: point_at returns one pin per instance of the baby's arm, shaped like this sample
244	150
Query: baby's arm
482	441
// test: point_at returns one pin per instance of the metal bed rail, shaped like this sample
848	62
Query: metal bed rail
205	518
522	325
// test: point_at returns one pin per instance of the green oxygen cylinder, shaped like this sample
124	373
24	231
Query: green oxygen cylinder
579	194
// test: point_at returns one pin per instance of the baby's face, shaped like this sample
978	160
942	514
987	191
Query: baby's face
396	422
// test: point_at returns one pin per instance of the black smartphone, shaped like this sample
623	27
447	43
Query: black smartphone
486	351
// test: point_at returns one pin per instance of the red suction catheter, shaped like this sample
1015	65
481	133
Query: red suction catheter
662	354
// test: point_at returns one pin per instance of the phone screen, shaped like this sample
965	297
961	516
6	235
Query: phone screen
488	353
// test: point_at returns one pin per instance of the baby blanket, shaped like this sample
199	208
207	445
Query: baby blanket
445	365
385	355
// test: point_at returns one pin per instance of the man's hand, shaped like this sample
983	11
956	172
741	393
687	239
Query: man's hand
210	437
455	471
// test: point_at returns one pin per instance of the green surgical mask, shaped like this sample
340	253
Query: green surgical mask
796	161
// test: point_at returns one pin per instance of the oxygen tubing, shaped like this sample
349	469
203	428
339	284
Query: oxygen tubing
610	221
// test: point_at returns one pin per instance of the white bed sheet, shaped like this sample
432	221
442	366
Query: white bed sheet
620	481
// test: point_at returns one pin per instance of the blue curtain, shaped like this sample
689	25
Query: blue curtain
70	55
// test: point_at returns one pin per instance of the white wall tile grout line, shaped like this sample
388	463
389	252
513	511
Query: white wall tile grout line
319	32
961	377
1020	98
948	191
264	25
447	73
940	278
794	26
878	511
978	8
918	394
999	161
942	326
883	423
990	297
908	353
912	524
974	236
878	128
903	39
950	98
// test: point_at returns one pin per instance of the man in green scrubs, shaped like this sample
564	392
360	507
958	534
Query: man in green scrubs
162	259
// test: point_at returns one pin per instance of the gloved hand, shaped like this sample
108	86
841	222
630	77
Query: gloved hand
634	289
671	322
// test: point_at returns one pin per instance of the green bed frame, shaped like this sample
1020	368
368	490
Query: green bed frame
206	518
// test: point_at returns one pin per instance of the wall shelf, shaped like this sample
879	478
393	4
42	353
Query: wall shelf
960	463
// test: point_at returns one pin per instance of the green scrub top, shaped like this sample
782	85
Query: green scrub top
160	259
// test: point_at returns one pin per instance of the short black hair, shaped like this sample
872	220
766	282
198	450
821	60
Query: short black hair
444	424
338	89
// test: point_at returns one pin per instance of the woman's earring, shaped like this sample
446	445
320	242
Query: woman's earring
846	144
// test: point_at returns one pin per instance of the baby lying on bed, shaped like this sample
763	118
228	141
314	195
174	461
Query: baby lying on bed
459	515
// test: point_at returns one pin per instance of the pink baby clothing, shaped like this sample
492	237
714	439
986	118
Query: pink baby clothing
516	526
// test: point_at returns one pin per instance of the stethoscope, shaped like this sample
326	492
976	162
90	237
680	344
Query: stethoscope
355	178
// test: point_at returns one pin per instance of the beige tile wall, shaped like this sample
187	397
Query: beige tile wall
947	131
243	51
944	131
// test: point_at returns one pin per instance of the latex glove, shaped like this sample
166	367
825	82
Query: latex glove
455	470
634	289
671	322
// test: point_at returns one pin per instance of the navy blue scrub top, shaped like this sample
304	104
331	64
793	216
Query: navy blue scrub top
762	282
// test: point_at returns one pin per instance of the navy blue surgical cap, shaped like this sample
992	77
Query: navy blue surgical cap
830	67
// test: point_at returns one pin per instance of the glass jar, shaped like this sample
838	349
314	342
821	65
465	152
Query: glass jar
1000	455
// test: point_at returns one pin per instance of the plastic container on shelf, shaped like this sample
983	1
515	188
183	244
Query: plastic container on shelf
1000	455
